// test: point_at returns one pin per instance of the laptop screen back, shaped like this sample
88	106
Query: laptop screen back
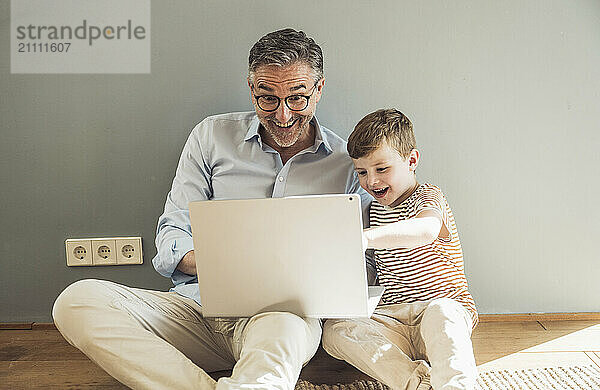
301	255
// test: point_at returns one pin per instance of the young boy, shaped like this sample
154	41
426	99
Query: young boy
420	334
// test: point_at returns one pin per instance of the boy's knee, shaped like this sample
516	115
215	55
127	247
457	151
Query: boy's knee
444	308
445	315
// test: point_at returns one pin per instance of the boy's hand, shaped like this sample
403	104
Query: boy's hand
365	241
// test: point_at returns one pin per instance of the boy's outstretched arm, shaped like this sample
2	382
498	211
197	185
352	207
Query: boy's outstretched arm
411	233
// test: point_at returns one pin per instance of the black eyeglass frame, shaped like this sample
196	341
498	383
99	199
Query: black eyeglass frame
306	98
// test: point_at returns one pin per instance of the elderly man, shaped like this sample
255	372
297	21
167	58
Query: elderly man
160	340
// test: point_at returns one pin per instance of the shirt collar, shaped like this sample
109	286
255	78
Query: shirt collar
253	130
320	137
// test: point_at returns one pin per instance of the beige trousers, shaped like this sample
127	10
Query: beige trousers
399	342
159	340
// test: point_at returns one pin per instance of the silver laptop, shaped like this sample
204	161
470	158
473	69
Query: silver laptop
300	254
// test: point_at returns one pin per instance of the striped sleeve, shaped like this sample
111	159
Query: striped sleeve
433	199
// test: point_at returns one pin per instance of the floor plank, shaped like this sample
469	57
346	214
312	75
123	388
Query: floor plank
14	326
65	374
41	358
570	325
42	345
493	340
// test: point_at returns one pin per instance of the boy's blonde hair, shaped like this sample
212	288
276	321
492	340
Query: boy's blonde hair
382	125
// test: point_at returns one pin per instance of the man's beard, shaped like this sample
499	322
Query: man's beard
285	138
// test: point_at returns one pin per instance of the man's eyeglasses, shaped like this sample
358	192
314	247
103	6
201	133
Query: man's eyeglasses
270	103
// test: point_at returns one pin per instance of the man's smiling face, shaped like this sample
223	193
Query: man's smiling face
284	126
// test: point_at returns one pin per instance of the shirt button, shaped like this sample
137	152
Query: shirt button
280	178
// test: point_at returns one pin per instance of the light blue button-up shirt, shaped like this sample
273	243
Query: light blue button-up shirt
225	158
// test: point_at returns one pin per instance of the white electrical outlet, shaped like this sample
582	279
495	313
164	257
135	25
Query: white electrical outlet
79	252
103	251
129	250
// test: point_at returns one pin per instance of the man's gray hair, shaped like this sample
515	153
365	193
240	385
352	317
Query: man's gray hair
283	48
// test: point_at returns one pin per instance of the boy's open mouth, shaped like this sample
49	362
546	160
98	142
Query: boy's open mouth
380	193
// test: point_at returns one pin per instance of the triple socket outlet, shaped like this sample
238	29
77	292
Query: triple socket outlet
104	251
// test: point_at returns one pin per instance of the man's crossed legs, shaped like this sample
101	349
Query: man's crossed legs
159	340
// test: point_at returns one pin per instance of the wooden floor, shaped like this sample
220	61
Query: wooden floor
40	358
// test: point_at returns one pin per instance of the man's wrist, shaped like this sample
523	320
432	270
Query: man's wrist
187	264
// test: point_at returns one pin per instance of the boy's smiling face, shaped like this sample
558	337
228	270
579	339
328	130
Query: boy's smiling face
386	175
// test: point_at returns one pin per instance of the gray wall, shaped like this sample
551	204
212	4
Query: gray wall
505	98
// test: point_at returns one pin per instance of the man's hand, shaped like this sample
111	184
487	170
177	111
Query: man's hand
187	265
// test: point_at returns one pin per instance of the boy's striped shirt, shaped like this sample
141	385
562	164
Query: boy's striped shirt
427	272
